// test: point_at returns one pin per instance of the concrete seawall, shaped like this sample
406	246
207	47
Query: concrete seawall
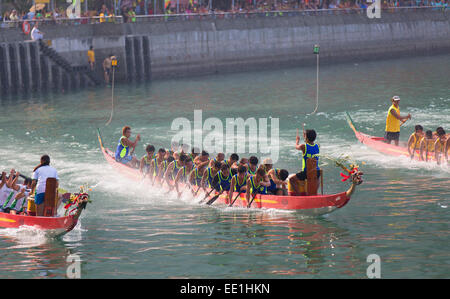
151	50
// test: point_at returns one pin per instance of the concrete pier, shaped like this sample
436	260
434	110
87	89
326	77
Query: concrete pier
178	46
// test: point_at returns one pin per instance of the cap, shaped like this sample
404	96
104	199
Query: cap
267	161
396	98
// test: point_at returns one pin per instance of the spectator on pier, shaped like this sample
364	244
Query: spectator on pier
36	34
91	57
13	16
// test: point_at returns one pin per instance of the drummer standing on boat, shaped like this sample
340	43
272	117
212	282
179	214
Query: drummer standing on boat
393	121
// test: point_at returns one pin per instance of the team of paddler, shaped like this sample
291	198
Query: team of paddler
437	142
177	165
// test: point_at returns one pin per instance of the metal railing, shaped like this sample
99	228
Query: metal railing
65	21
219	15
276	13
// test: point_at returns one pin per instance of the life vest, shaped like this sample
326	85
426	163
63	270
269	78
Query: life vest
224	183
251	172
311	151
259	189
209	178
121	150
102	19
392	123
197	177
147	161
155	167
239	185
184	176
429	144
175	170
164	165
441	147
416	143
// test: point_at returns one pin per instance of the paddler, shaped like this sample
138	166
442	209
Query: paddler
163	167
414	140
219	158
197	175
173	168
232	162
202	159
256	184
277	178
393	120
40	175
209	174
6	192
184	174
144	165
252	165
155	164
223	178
426	145
238	182
21	198
123	153
441	145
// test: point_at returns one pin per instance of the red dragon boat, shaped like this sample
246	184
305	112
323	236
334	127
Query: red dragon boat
306	205
379	144
53	226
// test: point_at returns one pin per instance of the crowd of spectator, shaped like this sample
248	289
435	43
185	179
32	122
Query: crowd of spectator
137	8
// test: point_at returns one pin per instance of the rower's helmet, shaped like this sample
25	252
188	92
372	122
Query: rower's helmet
396	98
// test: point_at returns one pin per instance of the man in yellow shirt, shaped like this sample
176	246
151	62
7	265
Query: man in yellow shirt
91	57
393	121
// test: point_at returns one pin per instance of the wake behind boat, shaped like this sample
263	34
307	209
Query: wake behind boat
306	205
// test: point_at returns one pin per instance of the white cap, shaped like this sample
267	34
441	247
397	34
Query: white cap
267	161
396	98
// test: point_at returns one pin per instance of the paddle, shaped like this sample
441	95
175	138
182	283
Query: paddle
231	204
212	200
251	201
207	195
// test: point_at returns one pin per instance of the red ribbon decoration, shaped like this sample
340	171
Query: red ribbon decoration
346	177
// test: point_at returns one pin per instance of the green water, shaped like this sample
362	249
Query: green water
133	231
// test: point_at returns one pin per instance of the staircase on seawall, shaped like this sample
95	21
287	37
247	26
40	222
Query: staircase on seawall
76	73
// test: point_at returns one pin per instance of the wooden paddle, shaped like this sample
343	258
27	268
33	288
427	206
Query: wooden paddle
207	195
231	204
212	200
253	198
